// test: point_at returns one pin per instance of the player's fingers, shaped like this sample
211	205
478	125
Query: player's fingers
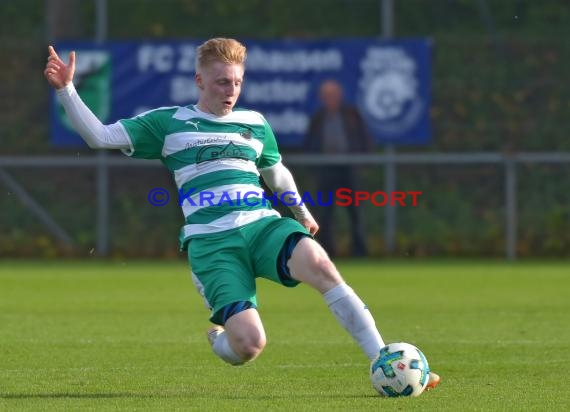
72	59
52	52
54	65
52	70
313	228
54	59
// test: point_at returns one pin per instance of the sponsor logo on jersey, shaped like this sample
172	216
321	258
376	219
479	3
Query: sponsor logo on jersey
246	134
215	152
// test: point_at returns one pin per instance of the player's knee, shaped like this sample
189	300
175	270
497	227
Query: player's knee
246	334
310	264
250	346
322	264
322	267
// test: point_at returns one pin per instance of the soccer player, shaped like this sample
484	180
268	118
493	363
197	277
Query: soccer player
210	146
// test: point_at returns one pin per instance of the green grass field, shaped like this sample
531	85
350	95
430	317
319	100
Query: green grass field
107	336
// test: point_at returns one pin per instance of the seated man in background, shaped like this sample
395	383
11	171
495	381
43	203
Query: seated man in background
337	128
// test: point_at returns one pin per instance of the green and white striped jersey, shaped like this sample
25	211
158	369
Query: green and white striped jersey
214	160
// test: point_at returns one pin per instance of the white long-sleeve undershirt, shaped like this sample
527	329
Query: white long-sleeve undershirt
280	180
96	134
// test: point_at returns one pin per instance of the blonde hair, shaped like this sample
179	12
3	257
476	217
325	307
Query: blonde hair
220	49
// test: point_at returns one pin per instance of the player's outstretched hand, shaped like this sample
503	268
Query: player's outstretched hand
57	73
310	224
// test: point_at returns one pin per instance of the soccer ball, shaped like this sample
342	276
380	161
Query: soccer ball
400	369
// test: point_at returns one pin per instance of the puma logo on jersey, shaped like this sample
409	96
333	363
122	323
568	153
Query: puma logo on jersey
195	124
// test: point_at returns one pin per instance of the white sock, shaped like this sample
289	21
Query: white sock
223	349
355	317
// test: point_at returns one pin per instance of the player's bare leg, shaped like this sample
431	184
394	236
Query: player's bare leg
241	339
310	264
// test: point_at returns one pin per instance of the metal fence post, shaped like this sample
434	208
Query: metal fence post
511	212
102	248
390	210
102	243
390	173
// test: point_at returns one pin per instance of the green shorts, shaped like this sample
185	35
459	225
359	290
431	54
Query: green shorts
226	264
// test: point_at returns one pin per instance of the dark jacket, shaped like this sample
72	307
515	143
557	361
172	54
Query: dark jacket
359	139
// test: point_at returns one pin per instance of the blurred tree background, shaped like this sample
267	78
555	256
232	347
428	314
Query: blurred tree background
499	84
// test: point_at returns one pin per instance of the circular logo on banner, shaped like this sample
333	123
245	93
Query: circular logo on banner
388	94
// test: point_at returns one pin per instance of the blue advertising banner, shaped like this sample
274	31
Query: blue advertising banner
388	81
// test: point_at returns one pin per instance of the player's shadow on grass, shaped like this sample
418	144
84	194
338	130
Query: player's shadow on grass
65	395
74	395
300	396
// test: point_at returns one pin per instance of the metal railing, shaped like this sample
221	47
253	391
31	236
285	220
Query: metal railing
102	162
